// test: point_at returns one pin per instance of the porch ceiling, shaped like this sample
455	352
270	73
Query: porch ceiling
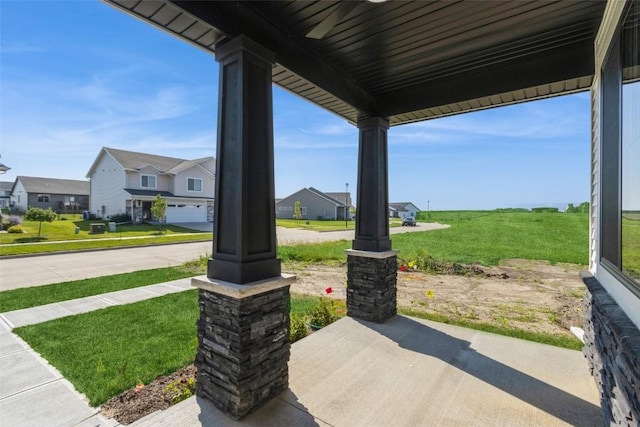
407	61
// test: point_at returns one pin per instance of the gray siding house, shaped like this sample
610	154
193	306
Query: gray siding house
314	204
61	195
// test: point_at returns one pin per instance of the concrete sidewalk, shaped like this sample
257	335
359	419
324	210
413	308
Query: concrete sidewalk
32	392
44	313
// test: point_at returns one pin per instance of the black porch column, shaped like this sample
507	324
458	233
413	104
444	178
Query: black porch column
371	264
243	329
372	215
244	241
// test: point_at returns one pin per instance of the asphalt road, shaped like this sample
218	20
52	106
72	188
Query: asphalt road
46	269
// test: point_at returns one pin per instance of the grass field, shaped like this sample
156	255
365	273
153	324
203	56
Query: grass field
316	225
631	245
488	237
477	237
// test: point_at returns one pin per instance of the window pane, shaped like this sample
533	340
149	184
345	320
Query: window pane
630	145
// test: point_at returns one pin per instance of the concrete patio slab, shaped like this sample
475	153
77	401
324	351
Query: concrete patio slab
200	412
410	372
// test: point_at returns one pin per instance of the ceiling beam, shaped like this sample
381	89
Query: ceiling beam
564	63
236	18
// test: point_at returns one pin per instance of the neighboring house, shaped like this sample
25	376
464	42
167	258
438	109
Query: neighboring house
403	210
341	196
126	182
314	204
61	195
5	193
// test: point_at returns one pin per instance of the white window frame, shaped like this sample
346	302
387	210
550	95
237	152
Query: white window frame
194	181
43	198
155	181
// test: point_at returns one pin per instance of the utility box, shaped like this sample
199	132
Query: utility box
97	228
112	227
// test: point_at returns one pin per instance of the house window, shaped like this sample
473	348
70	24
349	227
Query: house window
194	184
43	198
303	210
147	181
620	200
630	145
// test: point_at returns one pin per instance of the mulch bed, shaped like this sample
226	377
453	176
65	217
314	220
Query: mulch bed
142	400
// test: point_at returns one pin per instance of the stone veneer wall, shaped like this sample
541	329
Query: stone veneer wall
612	348
371	287
243	349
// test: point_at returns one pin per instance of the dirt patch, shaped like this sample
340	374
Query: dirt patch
528	295
137	402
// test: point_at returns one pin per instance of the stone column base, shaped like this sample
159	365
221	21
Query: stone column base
243	342
371	285
612	349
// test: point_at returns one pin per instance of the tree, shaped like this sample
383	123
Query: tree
40	215
159	210
297	212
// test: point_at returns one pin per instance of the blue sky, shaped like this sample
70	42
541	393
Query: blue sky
76	76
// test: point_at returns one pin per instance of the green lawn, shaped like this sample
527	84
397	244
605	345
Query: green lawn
316	225
106	352
64	229
23	249
17	299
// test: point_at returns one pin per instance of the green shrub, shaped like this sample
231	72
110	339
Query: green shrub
122	217
32	239
298	328
323	314
544	210
181	389
17	229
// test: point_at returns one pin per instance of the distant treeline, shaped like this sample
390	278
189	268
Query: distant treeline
427	215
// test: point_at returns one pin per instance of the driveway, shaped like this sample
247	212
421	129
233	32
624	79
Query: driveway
47	269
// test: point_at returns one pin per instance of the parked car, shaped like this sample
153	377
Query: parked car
409	222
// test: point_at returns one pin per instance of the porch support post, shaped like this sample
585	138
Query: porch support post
243	329
372	214
244	239
371	264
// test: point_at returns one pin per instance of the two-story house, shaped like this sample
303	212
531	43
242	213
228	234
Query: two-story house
128	182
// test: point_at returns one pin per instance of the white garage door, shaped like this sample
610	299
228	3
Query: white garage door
187	212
